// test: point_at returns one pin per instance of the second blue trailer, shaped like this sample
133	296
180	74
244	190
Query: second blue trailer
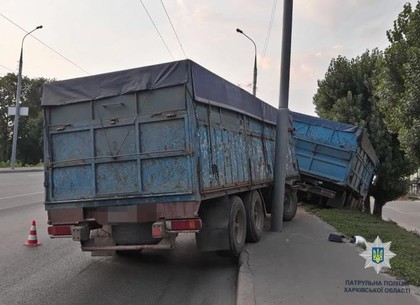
336	160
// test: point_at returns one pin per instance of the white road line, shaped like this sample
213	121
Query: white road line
23	195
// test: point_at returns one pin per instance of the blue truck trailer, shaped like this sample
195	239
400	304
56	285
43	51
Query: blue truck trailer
135	157
336	160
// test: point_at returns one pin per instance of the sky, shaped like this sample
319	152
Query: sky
81	38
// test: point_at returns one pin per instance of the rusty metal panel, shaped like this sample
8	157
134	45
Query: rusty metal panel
71	146
165	135
362	171
269	146
227	152
237	150
166	175
292	168
257	160
227	148
117	178
113	141
204	157
242	157
218	160
125	150
74	182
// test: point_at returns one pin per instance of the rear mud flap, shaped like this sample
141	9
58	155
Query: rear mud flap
214	234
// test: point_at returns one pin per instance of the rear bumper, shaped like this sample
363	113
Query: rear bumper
163	246
124	214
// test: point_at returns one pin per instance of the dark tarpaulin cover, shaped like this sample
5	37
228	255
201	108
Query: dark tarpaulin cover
115	83
211	88
207	87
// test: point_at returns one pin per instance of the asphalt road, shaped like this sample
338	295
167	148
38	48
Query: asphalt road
58	272
405	213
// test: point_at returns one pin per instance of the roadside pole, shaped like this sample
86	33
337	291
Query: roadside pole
282	121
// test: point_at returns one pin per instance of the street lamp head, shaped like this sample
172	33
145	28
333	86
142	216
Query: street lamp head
38	27
254	87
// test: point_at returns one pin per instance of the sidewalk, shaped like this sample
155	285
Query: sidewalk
7	170
300	266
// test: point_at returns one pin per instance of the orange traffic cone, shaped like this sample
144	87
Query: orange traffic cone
32	237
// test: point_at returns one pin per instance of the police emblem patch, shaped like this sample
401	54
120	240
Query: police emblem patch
377	254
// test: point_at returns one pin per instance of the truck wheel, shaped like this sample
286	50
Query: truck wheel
254	216
339	201
290	205
237	226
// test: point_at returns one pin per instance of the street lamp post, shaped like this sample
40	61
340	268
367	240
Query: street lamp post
254	86
18	94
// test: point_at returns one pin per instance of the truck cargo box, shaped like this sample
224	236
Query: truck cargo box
164	133
153	143
336	157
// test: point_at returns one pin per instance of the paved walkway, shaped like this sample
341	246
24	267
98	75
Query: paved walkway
300	266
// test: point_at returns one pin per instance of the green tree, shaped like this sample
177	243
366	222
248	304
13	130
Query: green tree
29	148
399	86
347	94
7	98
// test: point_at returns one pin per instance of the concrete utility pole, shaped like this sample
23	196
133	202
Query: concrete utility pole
18	93
254	83
282	121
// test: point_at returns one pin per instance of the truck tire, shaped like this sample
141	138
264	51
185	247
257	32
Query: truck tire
339	201
254	216
290	205
237	226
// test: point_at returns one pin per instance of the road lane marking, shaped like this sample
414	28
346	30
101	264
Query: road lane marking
23	195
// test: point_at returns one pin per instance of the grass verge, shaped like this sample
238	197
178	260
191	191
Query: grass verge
6	164
406	245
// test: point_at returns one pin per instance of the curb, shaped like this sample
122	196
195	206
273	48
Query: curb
245	294
21	170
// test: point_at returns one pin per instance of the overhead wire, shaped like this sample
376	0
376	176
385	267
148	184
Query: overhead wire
151	19
173	28
43	43
267	37
6	68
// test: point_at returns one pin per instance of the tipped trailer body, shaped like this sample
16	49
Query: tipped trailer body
132	158
336	160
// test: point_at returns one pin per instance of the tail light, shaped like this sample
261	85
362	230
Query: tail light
55	231
183	224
